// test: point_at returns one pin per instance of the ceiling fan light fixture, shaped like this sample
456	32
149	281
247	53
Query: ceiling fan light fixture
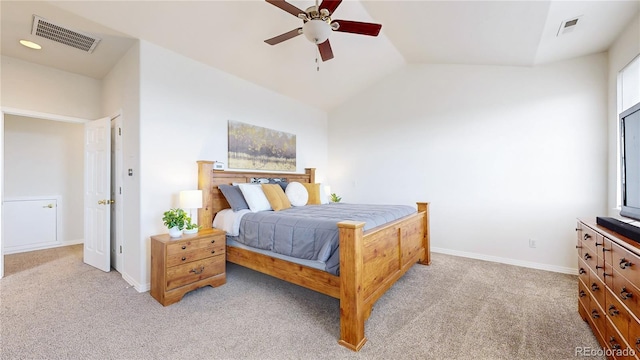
316	31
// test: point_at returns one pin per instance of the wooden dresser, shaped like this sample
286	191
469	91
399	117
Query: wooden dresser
179	265
609	288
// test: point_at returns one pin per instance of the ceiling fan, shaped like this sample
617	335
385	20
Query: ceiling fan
318	25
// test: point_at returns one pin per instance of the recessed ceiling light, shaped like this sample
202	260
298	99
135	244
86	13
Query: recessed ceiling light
30	44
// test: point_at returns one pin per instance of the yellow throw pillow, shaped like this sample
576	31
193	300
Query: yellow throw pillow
276	196
314	193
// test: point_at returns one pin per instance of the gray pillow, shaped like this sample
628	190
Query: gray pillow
234	197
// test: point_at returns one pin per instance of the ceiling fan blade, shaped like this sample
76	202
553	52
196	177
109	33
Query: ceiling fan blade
325	51
330	5
286	36
291	9
357	27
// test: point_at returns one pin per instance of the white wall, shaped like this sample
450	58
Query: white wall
623	51
34	87
44	158
504	154
121	94
184	109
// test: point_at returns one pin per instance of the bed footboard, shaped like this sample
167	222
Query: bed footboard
371	262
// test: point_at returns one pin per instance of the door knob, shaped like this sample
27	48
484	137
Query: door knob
50	206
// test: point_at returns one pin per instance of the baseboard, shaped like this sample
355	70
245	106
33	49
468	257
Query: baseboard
497	259
43	246
139	287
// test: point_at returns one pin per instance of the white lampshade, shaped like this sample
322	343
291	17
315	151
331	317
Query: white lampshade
316	30
191	199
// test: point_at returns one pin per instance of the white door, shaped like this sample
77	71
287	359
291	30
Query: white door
97	193
116	194
20	215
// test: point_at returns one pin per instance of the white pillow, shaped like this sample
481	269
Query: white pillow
255	197
324	197
297	194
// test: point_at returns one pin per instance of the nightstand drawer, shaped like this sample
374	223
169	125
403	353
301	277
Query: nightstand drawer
195	244
189	273
184	256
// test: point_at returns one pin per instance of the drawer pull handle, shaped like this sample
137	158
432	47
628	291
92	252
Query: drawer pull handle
582	293
213	241
213	251
578	247
586	236
184	247
587	256
582	271
578	229
599	244
638	344
614	344
605	274
605	249
599	267
184	258
197	271
595	287
624	263
624	294
613	311
594	314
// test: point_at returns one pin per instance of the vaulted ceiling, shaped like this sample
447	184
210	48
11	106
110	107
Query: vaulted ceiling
229	35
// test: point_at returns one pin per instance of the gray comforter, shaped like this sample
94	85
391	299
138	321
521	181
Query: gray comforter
311	232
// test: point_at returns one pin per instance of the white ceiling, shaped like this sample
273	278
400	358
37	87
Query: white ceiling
229	35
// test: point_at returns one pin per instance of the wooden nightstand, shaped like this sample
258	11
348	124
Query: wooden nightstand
179	265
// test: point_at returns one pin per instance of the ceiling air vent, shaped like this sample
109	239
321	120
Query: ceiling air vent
52	31
568	26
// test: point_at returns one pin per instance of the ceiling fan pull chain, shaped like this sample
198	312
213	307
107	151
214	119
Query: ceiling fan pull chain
317	62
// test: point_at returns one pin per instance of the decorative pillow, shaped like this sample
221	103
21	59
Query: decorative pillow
234	197
283	184
314	193
277	198
297	194
255	197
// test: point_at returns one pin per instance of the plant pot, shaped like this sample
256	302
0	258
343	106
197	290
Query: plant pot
175	232
190	231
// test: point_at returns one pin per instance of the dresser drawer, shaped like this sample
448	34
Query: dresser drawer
619	347
618	314
189	273
191	245
588	239
184	256
583	271
634	336
626	292
626	263
597	289
583	295
598	317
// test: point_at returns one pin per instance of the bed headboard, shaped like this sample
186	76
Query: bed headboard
213	200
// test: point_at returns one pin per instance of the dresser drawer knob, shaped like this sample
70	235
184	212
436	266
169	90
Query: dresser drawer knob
605	249
184	247
638	344
595	287
578	247
594	314
197	271
599	267
614	344
582	293
605	274
184	258
213	241
213	251
613	311
624	263
586	236
587	256
599	244
624	294
582	271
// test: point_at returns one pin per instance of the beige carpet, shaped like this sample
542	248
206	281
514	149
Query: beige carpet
457	308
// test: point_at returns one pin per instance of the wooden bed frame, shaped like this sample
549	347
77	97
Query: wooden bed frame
370	261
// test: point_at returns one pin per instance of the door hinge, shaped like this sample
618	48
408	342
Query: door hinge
120	249
120	190
119	131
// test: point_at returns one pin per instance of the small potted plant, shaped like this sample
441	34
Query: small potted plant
335	198
190	228
175	220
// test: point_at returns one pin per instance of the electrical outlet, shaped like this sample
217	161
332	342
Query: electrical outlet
532	243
